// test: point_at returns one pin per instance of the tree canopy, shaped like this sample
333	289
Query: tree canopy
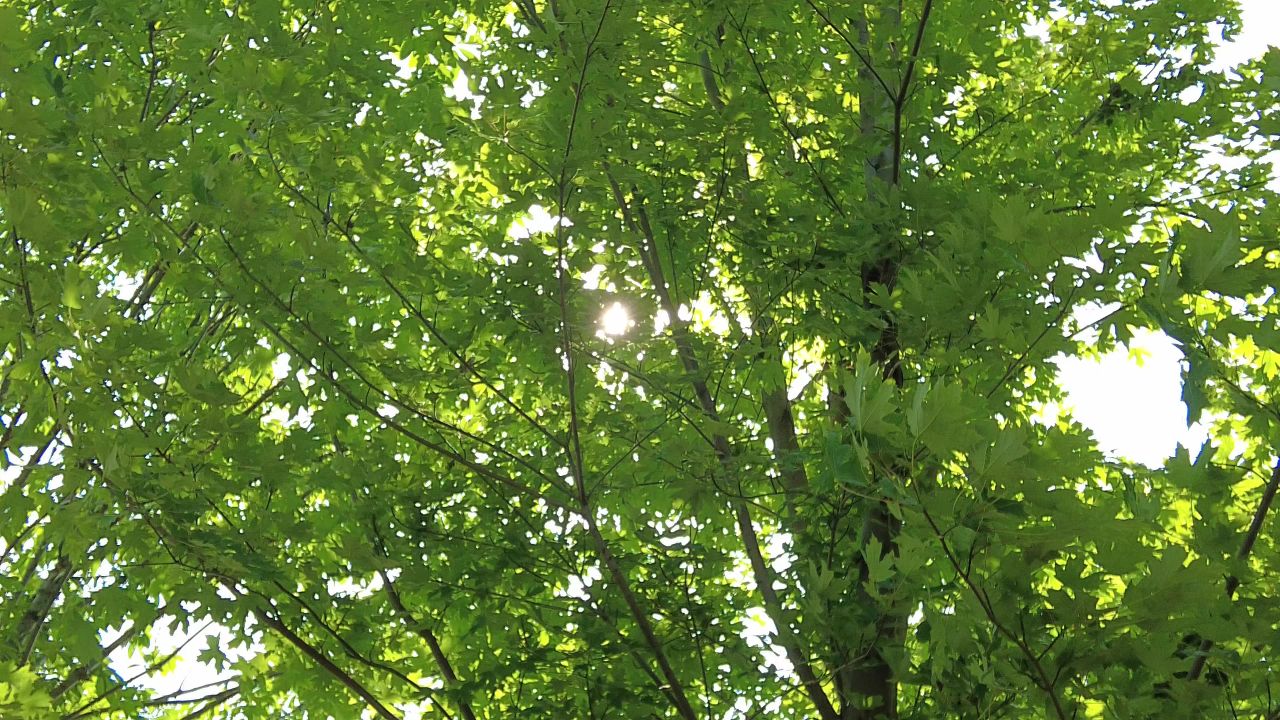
615	359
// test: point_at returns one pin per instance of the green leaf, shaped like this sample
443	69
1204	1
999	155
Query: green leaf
1206	254
351	392
870	398
879	563
71	289
203	387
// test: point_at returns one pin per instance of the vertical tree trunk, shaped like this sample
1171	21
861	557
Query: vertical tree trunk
869	689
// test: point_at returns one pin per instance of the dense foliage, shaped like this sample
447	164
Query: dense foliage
295	344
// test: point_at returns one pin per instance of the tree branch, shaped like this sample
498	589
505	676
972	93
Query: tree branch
28	630
1041	676
638	222
424	632
900	99
82	672
1246	548
673	688
324	662
866	61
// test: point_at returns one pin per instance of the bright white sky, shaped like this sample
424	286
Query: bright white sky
1131	399
1133	409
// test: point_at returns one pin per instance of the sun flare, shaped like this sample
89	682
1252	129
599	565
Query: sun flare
615	320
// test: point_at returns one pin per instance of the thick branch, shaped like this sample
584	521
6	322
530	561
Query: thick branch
709	80
28	630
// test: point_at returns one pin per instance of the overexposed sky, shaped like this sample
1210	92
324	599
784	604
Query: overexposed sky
1131	399
1260	29
1135	410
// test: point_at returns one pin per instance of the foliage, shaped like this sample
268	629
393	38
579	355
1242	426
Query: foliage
294	341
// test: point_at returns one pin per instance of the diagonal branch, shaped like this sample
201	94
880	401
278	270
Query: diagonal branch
28	630
1064	307
900	99
424	632
360	375
420	628
83	672
313	614
672	686
324	662
915	52
351	396
183	238
214	702
86	709
346	232
866	61
1246	548
791	133
637	220
1040	676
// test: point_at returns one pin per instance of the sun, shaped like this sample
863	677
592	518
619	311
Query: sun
615	320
